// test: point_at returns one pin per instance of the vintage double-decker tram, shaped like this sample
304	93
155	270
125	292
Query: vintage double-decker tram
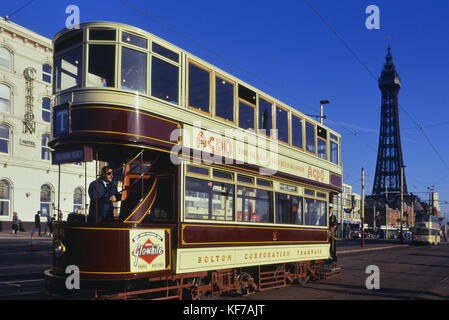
223	187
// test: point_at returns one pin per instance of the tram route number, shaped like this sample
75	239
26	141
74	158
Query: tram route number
229	310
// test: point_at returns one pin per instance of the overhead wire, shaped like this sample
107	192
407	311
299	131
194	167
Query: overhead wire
421	128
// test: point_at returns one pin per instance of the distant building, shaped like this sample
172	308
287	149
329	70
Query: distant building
28	180
346	206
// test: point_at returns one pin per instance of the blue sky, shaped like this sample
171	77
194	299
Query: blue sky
285	49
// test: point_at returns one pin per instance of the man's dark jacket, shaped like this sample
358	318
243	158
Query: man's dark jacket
105	206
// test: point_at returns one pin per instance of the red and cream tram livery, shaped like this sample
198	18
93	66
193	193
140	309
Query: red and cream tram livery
222	186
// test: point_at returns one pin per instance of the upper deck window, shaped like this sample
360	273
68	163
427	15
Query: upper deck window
164	80
282	124
224	99
134	70
68	40
333	152
134	40
199	88
156	48
265	117
246	116
101	66
102	34
297	124
69	70
310	137
321	142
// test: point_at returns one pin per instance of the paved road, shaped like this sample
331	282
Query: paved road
406	272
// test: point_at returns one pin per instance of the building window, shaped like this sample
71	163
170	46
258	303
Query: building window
4	138
46	73
164	80
45	148
46	196
5	198
78	200
134	70
5	98
5	58
46	109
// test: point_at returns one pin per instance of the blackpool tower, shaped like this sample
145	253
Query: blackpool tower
389	154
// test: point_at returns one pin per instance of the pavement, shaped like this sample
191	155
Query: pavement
23	235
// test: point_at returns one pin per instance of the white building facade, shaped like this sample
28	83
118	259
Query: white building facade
28	180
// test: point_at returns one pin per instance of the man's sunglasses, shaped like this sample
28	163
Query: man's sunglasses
108	173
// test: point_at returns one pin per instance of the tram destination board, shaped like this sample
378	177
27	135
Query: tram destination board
81	154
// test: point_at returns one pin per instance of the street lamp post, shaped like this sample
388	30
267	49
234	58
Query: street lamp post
322	116
402	202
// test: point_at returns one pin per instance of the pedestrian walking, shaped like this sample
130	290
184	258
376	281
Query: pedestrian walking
15	223
48	225
37	223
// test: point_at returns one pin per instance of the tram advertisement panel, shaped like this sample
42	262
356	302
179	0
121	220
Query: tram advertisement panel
147	250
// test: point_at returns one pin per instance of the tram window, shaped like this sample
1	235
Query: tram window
68	40
282	124
163	207
321	132
245	179
223	175
101	34
134	40
297	131
101	66
68	70
198	170
315	212
224	99
288	209
199	88
287	187
254	205
310	137
164	80
321	148
265	117
321	195
247	94
334	152
246	116
165	52
309	192
134	70
207	200
264	183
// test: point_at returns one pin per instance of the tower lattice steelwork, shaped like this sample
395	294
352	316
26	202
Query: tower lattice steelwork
389	154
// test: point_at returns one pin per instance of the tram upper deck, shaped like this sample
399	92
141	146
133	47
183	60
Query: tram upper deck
115	83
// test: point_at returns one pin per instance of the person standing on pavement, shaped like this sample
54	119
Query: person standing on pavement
332	226
37	223
48	225
15	223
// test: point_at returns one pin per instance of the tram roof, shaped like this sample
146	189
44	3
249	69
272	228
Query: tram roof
130	28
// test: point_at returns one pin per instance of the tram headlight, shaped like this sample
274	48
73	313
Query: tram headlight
58	248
